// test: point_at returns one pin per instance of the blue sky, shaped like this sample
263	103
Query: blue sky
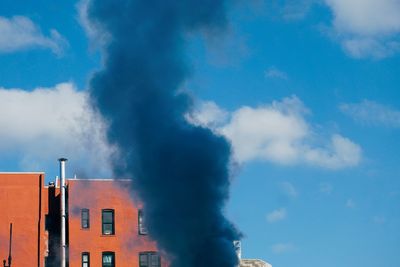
307	92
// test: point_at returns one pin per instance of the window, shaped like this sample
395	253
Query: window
85	218
107	217
149	259
108	259
142	225
85	259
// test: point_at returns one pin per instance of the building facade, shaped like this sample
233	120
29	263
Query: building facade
104	224
76	223
254	263
23	205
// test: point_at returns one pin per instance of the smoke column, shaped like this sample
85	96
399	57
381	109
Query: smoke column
180	171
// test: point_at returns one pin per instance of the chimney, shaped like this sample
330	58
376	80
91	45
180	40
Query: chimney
238	248
63	237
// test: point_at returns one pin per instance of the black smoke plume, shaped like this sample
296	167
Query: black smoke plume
180	171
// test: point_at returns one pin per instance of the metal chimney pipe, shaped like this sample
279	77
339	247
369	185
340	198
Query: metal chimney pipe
9	250
63	213
238	248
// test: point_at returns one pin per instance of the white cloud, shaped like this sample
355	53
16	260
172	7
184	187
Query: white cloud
46	123
372	113
82	7
364	47
279	133
280	248
276	215
366	16
289	189
350	203
208	114
341	152
20	33
367	28
274	72
364	28
97	37
270	132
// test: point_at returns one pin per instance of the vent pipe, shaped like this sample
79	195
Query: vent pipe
238	248
63	237
9	250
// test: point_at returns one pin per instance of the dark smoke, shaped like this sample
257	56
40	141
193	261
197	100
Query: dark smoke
180	171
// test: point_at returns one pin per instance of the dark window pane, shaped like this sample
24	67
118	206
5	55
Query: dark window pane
108	259
107	229
155	260
142	224
85	259
149	259
85	218
143	260
107	217
108	222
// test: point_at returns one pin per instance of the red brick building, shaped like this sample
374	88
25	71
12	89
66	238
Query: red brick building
104	227
23	203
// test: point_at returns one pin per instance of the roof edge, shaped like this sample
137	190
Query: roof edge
22	172
98	179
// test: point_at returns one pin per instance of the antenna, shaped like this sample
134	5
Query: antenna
9	250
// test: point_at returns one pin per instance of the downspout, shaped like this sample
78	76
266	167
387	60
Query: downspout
63	237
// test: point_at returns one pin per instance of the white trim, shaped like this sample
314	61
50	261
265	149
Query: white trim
99	179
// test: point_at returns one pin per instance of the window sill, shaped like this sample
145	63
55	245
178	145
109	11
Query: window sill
102	235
